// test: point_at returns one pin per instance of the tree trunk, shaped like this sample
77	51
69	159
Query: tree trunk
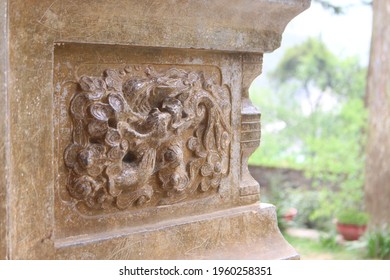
377	187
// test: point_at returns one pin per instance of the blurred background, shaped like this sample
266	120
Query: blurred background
315	161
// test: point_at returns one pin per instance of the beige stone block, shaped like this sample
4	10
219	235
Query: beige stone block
126	128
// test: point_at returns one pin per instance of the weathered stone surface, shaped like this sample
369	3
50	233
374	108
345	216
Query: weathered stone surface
4	148
226	234
97	172
132	119
377	185
245	25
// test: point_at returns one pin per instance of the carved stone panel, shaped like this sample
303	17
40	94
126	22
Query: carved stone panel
142	131
143	136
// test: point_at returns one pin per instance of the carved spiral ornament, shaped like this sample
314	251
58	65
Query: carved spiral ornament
140	137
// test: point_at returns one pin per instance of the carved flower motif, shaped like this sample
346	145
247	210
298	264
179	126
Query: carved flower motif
194	145
214	160
117	102
113	79
88	160
93	86
99	199
115	154
82	187
78	105
212	171
97	128
178	181
113	137
206	170
101	111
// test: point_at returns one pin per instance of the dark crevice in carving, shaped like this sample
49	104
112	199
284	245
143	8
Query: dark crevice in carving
129	157
112	122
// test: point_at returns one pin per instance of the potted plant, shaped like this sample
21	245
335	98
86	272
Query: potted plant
290	214
351	223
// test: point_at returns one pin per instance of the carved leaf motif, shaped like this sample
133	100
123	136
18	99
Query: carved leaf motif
224	140
95	87
102	111
203	186
224	164
79	134
148	161
117	102
214	182
71	153
140	197
113	80
78	106
97	128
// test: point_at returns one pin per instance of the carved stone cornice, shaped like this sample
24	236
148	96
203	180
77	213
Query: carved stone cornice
240	25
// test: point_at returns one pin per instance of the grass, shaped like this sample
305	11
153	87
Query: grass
313	250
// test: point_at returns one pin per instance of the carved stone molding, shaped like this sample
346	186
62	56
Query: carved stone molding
147	137
250	128
250	141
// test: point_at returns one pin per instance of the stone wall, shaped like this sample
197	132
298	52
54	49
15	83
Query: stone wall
279	177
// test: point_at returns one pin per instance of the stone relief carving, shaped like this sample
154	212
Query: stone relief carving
142	136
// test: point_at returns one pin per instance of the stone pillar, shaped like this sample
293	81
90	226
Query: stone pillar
4	140
126	128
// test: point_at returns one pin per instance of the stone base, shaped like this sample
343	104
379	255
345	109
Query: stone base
247	232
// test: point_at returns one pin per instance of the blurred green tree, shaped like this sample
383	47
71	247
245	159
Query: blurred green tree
313	118
340	9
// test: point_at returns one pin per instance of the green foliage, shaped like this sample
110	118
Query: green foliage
378	244
329	6
314	118
329	240
281	199
332	204
317	101
315	249
338	9
352	217
282	224
309	62
305	201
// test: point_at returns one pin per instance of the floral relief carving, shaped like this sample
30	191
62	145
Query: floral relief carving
147	137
